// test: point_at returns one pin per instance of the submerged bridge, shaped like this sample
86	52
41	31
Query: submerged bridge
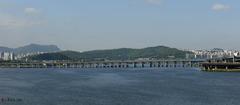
180	63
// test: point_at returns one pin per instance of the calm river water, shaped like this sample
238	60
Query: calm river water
118	87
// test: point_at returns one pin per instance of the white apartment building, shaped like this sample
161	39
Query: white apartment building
6	56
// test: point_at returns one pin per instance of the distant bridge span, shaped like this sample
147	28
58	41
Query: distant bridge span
178	63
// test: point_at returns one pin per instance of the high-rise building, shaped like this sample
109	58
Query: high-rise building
6	56
1	56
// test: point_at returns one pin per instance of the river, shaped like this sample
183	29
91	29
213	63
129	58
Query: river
118	87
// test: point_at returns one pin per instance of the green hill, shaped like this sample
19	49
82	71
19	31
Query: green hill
159	52
32	48
50	56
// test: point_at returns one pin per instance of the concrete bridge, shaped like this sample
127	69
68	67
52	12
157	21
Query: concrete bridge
182	63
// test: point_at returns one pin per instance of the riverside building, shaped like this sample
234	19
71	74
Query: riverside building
6	56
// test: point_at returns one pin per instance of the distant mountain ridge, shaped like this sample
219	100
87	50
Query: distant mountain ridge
32	48
115	54
5	49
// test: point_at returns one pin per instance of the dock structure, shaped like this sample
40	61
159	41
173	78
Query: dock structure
108	64
221	66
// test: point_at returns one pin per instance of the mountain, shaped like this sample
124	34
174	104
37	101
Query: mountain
32	48
6	49
36	48
217	50
115	54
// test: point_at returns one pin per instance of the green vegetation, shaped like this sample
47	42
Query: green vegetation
50	56
159	52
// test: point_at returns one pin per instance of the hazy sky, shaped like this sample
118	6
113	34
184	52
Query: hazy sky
102	24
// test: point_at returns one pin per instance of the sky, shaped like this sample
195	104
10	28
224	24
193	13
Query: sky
83	25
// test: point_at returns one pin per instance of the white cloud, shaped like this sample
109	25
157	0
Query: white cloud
157	2
220	7
8	21
31	11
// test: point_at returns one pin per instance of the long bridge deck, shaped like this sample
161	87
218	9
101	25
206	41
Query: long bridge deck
182	63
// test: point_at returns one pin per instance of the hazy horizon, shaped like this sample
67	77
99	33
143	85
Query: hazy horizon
114	48
84	25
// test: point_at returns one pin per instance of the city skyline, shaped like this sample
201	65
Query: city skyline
84	25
